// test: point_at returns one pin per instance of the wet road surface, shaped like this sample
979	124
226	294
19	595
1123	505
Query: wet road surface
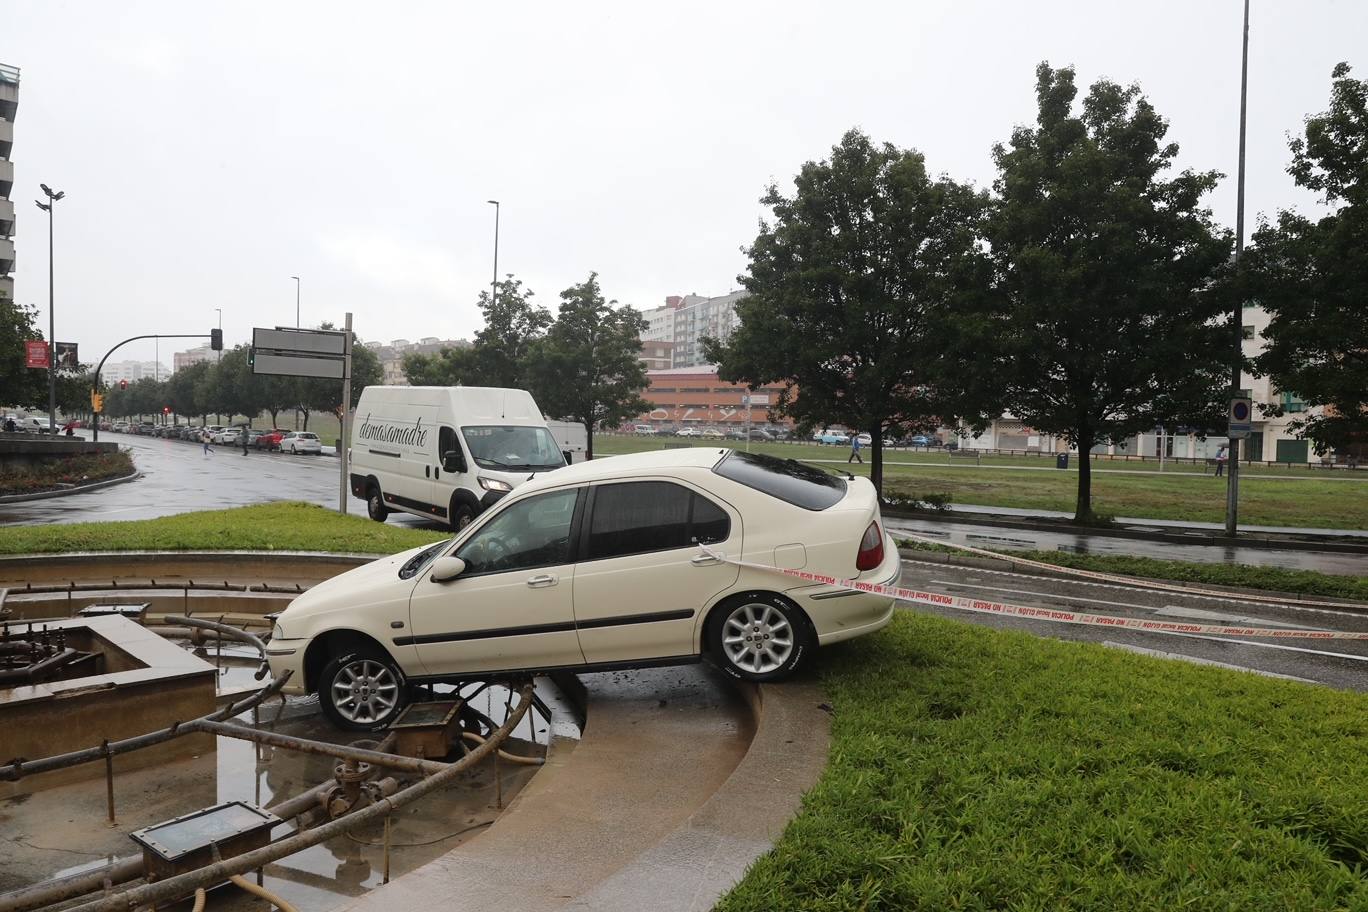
1335	663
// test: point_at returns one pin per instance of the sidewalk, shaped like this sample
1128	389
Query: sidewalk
1166	524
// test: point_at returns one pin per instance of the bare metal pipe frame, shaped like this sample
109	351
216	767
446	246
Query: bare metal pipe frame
21	768
304	745
185	884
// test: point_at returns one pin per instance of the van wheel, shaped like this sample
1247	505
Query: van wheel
361	691
759	636
375	505
461	516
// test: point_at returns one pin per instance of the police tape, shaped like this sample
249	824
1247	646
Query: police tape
1054	615
1138	582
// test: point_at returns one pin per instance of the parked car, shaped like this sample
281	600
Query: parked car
920	440
711	432
762	434
734	434
297	442
687	431
833	438
571	569
644	429
120	427
270	439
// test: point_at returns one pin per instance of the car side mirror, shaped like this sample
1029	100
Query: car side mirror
453	461
445	569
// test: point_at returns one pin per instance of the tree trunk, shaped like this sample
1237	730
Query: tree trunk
273	417
1083	508
588	440
876	461
306	419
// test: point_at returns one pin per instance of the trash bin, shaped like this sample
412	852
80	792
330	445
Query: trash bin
1062	461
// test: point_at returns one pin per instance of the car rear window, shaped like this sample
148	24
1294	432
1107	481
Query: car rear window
787	479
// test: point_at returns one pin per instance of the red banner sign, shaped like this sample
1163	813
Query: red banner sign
36	352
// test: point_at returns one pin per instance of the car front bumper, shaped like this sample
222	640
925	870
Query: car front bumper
288	655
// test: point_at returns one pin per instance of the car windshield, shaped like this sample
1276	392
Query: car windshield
520	448
787	479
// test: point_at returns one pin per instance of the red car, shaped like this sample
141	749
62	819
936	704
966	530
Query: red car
270	440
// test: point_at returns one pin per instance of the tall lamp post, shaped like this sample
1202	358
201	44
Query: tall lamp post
1233	454
53	196
494	286
297	284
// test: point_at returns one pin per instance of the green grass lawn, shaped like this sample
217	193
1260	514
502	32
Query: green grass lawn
263	527
1276	579
1336	502
973	768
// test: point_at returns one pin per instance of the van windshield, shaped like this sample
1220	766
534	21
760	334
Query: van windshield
512	447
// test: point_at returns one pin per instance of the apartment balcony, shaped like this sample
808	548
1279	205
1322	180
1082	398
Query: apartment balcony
6	138
6	178
6	288
6	256
6	218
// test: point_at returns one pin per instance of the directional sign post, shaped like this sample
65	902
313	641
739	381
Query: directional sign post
316	353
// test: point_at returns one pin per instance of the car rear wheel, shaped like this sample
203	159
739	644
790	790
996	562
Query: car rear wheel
361	691
759	636
375	504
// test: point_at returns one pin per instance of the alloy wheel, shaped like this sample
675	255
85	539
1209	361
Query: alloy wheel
757	638
365	690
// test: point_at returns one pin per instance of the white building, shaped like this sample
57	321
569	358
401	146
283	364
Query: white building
392	354
685	320
9	105
133	371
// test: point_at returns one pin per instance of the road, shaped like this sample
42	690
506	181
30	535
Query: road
178	477
1336	663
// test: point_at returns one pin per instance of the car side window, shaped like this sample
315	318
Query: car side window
644	516
530	533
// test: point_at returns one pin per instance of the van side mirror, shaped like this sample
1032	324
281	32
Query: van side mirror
453	461
445	569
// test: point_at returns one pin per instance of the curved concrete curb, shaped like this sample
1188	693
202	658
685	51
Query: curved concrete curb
651	810
67	492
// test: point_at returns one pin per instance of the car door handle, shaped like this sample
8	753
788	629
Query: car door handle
705	560
542	581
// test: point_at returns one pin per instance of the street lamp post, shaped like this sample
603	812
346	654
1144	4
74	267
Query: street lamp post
494	286
297	285
53	196
1233	453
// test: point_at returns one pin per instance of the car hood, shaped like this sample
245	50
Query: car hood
378	579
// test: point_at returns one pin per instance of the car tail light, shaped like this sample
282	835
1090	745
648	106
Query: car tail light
871	549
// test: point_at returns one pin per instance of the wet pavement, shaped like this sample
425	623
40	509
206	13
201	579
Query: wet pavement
1335	663
1005	539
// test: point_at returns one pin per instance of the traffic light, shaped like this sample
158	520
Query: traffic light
123	384
216	339
251	356
96	402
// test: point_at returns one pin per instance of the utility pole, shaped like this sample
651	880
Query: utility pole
494	286
298	283
53	196
342	443
1233	477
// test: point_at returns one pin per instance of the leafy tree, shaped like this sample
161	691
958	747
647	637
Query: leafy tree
588	367
182	390
1311	276
859	292
19	384
499	355
326	395
240	391
448	367
1106	327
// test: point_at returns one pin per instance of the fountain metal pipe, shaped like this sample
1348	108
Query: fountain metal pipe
307	746
183	885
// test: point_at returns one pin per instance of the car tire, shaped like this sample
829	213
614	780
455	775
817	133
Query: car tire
375	504
362	690
461	515
758	636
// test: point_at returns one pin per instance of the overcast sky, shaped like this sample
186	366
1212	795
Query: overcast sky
210	151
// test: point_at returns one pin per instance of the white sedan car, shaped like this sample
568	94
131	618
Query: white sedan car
301	442
649	559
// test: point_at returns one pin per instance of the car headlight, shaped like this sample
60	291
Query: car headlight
494	484
276	632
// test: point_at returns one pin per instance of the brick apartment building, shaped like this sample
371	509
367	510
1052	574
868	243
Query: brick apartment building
694	396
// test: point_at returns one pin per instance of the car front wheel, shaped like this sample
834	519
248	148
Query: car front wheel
375	505
759	636
361	691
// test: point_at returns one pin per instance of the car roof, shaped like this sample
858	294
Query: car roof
650	462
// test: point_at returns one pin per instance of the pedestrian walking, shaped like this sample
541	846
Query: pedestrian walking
1221	457
244	439
204	438
855	449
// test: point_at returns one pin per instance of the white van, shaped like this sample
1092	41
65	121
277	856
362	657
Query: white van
446	452
571	439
